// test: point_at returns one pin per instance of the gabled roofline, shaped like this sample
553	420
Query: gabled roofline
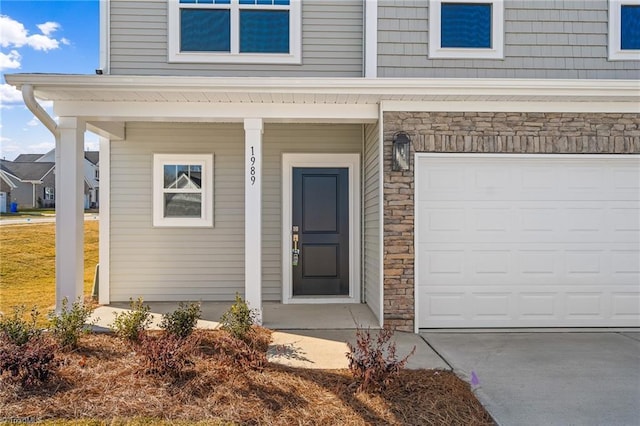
5	177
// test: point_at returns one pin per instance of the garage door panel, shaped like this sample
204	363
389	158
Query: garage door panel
529	307
482	264
528	242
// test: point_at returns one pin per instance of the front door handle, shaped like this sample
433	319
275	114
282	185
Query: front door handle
295	253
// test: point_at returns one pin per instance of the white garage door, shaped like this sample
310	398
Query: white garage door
527	241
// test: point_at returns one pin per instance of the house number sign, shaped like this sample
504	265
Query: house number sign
252	166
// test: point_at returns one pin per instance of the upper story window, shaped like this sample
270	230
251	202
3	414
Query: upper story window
466	29
235	31
183	190
624	30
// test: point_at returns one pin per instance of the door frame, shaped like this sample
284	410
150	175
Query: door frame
352	163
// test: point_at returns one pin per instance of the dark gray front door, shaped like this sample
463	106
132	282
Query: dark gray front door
321	223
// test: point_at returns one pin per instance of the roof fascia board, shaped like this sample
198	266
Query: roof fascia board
536	88
5	177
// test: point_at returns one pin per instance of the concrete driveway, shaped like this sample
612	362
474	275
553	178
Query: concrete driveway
549	378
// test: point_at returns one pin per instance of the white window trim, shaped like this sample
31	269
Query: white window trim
295	37
203	160
615	27
497	33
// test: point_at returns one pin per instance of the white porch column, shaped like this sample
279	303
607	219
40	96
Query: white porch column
69	210
253	215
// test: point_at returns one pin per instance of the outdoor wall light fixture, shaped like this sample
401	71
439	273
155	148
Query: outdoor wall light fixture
401	152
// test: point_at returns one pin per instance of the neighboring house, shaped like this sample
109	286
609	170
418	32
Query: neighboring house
29	184
35	192
91	173
451	163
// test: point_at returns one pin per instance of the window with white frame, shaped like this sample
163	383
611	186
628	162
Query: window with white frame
235	31
624	30
49	194
183	190
471	29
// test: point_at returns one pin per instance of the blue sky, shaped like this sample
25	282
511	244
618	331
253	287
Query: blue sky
42	36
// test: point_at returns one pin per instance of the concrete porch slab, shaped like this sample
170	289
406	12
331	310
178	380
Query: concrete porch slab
276	316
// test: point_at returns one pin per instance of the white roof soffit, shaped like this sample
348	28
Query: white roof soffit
393	94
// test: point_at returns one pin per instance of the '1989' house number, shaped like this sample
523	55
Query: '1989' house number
252	169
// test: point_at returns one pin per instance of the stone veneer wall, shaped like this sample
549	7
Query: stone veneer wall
477	132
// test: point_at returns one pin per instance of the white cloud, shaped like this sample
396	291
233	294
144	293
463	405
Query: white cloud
91	145
10	60
33	122
9	95
14	34
48	27
8	148
65	40
40	147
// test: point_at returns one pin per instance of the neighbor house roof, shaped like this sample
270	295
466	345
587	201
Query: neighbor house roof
27	171
92	156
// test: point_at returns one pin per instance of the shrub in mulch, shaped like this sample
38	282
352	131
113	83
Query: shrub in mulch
247	353
165	354
373	361
101	381
30	364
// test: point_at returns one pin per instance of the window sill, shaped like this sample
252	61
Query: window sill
452	53
624	55
231	58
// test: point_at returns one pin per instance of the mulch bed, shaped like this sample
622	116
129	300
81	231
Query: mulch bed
104	379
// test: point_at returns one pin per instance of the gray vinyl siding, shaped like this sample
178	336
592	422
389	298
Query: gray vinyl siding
332	39
543	39
371	226
172	264
292	138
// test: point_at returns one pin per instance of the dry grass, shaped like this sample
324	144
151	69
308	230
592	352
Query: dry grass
27	264
102	382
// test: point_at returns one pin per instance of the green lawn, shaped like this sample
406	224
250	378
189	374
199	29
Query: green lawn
27	264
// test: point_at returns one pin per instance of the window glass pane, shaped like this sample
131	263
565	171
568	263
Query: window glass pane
182	205
465	25
264	31
281	2
205	30
630	27
170	175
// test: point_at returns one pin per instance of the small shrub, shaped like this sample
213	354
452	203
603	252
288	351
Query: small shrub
29	364
182	321
71	323
238	319
129	324
18	330
165	354
373	362
235	352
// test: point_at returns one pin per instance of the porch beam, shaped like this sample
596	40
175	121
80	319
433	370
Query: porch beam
113	130
69	210
253	129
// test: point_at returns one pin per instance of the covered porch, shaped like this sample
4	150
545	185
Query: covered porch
250	130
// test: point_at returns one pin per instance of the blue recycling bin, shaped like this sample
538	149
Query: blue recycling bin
14	208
